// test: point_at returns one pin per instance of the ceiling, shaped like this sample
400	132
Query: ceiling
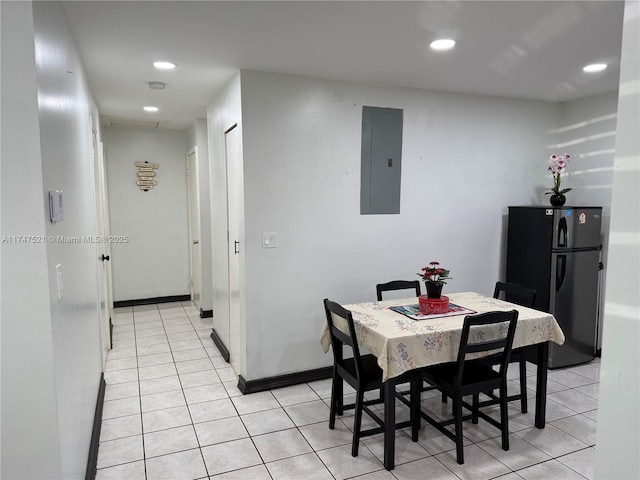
518	49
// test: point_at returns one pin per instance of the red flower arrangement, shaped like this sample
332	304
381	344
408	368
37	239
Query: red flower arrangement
435	274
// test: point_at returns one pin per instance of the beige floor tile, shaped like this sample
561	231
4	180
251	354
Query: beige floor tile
230	456
196	422
306	466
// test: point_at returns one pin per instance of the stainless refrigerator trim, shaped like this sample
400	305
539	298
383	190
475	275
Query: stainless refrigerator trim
574	303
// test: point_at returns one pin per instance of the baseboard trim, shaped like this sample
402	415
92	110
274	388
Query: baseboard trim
206	313
92	461
220	344
280	381
149	301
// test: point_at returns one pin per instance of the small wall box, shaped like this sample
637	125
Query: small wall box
55	206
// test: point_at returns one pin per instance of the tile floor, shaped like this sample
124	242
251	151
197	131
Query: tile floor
172	410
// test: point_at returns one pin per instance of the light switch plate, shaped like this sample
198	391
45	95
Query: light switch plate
269	240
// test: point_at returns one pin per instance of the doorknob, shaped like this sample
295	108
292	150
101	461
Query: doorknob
196	242
104	258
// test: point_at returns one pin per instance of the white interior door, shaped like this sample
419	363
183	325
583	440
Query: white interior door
236	244
106	222
103	246
194	225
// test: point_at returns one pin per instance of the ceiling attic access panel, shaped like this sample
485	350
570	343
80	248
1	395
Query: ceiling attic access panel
381	160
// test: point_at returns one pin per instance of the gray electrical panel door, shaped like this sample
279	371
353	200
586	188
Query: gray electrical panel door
381	160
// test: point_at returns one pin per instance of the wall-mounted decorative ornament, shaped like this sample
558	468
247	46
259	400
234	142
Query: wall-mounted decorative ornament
145	175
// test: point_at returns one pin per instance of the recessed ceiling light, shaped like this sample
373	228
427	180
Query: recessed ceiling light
594	67
442	44
164	65
150	109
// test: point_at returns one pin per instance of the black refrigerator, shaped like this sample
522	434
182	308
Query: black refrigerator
556	251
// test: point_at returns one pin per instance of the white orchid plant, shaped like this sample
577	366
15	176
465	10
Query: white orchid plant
557	165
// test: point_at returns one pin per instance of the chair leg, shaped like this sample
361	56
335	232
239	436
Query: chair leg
339	395
334	404
504	417
523	384
474	411
336	400
457	414
416	389
357	421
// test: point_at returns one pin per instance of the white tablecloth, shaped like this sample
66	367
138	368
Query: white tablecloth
403	344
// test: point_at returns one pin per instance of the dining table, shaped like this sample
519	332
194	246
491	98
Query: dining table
402	339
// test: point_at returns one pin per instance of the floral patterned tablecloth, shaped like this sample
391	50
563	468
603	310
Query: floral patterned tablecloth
402	344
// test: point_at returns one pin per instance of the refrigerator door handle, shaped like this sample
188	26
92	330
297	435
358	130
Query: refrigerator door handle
561	271
563	233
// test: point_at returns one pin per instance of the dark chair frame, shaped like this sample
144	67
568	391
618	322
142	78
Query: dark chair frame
404	285
520	295
397	285
363	374
472	377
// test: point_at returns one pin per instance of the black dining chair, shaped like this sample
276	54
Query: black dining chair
397	285
364	374
404	285
471	377
516	293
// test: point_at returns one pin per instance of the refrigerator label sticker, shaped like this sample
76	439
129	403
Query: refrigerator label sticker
549	211
582	218
568	212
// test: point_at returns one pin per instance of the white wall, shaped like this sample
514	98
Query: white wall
198	138
618	435
48	335
66	107
30	443
224	112
155	260
465	159
588	133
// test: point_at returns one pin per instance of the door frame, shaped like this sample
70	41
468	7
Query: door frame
103	249
235	254
195	174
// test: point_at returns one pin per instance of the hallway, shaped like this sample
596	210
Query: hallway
172	410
